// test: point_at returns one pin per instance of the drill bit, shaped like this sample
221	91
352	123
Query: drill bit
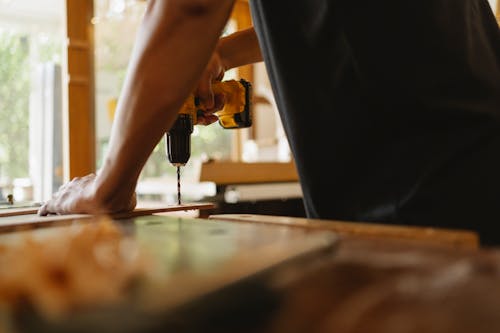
178	185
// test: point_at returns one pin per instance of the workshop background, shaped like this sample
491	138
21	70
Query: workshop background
63	66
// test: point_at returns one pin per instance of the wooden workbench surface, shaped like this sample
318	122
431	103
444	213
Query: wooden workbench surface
353	230
137	274
377	282
391	288
378	278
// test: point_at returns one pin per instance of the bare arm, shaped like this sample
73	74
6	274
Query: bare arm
238	49
175	42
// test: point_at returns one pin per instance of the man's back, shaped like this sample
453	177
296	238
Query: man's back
392	108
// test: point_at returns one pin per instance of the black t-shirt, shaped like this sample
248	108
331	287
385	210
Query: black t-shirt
391	108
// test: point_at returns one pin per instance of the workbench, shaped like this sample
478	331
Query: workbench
267	274
384	278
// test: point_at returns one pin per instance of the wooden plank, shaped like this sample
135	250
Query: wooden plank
11	223
447	237
224	173
18	211
141	211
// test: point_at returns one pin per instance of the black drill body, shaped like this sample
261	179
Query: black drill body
178	140
235	114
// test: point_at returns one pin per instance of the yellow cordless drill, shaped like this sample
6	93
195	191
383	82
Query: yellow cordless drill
235	114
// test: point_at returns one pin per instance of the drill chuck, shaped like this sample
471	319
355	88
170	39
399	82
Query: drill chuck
178	140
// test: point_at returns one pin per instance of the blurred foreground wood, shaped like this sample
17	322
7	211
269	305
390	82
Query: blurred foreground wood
393	288
389	279
367	278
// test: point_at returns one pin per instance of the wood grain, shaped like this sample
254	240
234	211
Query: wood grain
445	237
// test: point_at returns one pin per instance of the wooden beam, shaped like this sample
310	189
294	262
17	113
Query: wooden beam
79	122
498	12
241	15
28	218
225	173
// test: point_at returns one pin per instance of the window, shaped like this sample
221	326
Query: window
31	99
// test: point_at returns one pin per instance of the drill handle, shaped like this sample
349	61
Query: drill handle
237	111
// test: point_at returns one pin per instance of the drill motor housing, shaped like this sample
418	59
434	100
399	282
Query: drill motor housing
237	113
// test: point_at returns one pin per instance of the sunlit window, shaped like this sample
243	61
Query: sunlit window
31	54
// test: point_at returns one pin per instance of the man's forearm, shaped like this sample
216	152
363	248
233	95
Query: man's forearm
239	49
175	41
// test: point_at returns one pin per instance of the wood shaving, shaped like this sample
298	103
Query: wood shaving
86	264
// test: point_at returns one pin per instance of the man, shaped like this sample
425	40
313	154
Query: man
391	108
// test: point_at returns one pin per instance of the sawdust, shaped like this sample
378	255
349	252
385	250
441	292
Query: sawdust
86	264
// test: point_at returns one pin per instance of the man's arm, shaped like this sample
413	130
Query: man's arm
174	44
238	49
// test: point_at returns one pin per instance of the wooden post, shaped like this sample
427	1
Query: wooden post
498	12
241	15
79	121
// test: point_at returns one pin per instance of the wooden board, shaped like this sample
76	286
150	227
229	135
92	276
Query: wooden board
27	220
223	173
445	237
18	211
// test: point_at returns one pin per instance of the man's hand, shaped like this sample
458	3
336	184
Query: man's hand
238	49
78	197
211	102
